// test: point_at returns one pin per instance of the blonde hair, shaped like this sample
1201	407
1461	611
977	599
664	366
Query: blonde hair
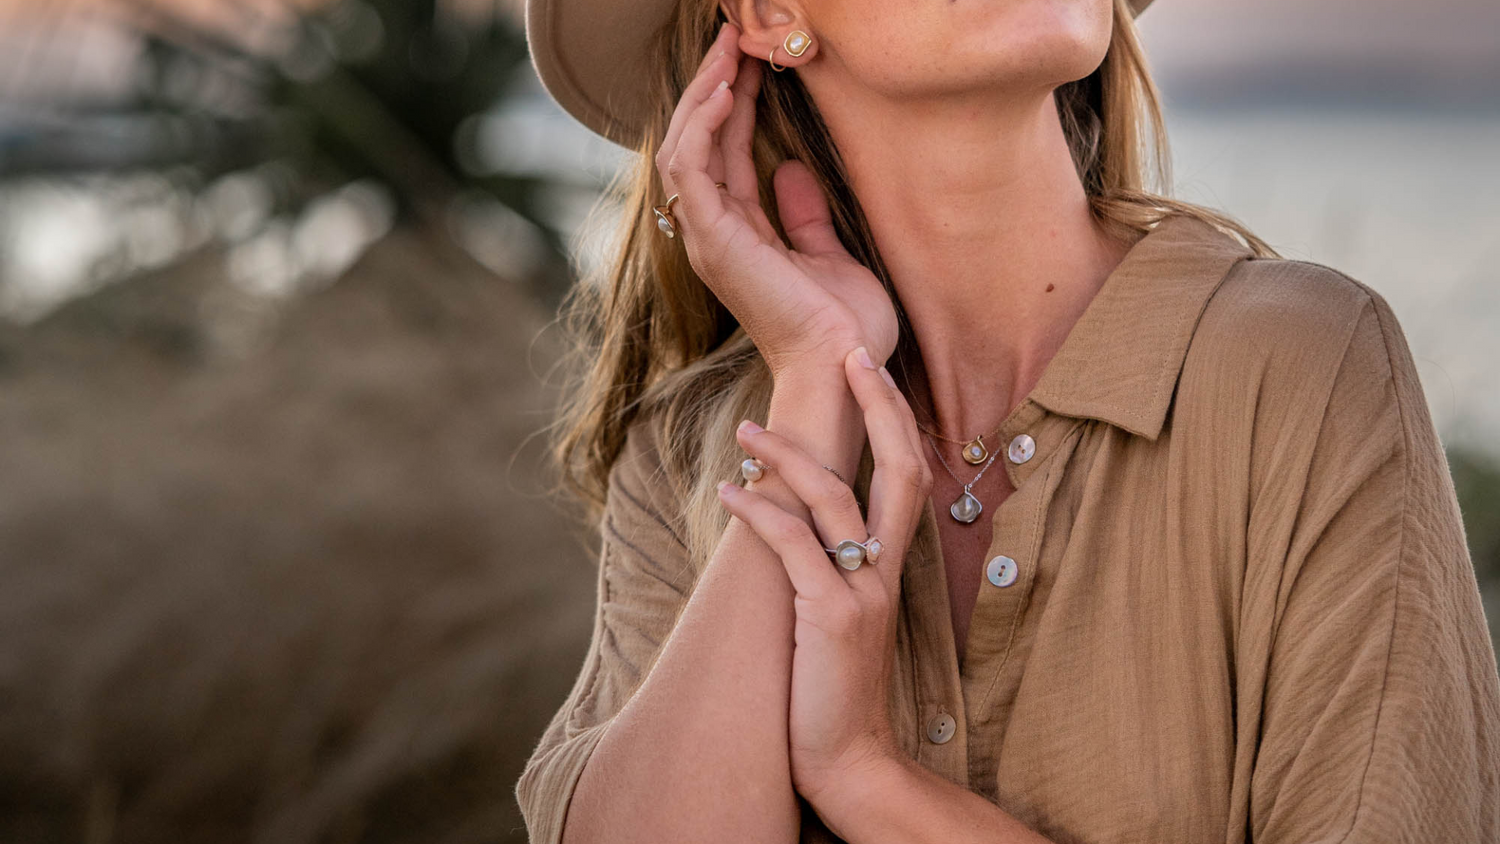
648	337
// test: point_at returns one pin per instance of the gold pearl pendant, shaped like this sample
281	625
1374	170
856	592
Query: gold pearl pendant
974	452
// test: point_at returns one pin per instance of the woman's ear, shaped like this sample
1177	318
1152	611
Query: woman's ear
765	24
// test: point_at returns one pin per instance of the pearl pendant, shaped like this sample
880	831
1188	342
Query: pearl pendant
974	452
966	508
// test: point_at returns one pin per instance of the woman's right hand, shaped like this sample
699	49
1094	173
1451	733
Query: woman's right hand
807	305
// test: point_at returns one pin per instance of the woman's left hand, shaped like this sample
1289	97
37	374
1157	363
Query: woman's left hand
845	633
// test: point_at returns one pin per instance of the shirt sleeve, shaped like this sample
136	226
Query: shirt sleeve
645	578
1380	720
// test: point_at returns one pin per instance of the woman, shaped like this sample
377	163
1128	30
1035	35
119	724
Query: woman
1147	534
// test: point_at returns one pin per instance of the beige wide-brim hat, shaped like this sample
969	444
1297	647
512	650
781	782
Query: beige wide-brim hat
591	56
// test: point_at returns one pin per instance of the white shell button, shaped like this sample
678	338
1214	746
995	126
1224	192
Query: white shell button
1021	448
1002	571
941	728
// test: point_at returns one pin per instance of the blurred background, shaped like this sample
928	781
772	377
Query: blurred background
277	558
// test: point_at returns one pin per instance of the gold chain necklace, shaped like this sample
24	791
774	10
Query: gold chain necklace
967	506
974	451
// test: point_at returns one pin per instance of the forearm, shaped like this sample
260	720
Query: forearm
902	801
700	750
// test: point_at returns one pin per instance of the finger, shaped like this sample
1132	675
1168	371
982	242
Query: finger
701	202
720	63
727	34
902	479
910	419
738	135
804	210
835	510
697	91
807	565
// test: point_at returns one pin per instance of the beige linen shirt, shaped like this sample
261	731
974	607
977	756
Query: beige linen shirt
1241	608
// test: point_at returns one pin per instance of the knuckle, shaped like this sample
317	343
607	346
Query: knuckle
845	614
789	529
924	472
832	493
914	474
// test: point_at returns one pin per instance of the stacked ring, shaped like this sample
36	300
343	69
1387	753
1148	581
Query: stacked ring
851	554
664	219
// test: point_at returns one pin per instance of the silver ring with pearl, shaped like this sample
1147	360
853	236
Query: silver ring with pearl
851	554
752	469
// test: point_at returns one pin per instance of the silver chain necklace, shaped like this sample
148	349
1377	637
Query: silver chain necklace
967	507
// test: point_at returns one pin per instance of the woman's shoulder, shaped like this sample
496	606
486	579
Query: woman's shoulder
1296	324
641	492
1280	304
1289	347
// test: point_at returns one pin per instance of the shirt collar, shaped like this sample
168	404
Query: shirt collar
1120	361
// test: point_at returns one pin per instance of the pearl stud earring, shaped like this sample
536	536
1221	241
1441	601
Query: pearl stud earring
795	44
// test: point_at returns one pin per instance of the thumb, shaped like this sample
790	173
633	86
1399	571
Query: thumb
804	210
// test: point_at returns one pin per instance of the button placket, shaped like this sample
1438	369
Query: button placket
1005	580
1009	565
938	679
990	681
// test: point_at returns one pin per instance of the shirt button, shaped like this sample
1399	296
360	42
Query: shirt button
1002	571
941	728
1021	448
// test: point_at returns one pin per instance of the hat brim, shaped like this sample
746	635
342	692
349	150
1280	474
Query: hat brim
591	58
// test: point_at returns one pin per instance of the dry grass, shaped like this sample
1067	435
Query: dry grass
314	593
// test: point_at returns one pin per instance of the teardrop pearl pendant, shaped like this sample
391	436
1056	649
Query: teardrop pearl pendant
966	508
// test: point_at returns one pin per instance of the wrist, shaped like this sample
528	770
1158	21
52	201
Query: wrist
813	377
815	407
824	359
842	800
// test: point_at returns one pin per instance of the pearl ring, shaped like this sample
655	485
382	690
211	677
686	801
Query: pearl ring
752	469
664	219
850	554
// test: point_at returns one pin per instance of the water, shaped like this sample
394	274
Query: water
1407	202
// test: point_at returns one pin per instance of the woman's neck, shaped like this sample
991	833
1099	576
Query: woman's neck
986	231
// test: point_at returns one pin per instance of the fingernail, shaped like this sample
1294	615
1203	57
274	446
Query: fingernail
864	358
719	91
887	376
750	427
726	488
